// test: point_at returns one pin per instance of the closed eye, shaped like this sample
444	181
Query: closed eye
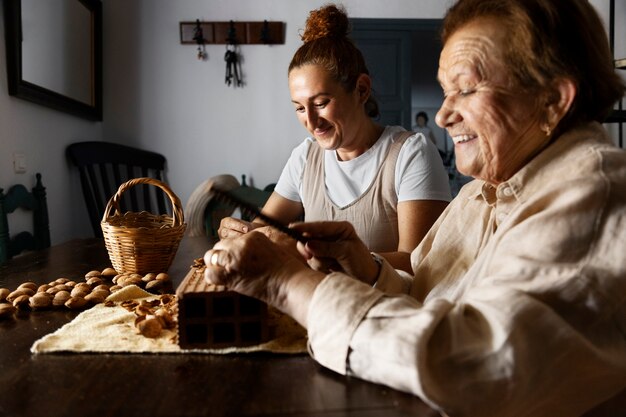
461	93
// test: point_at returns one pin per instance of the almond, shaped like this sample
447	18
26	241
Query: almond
94	281
94	298
30	285
92	274
108	272
40	300
21	302
149	277
150	327
18	293
102	287
75	303
154	285
44	288
79	292
60	298
6	310
162	276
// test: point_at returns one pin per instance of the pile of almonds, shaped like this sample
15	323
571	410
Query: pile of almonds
73	295
153	316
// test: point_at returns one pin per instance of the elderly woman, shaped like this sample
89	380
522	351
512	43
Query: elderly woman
517	305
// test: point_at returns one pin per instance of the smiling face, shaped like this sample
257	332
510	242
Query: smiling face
332	115
494	123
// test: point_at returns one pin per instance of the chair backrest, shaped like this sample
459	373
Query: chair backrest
19	197
104	166
216	210
202	212
252	195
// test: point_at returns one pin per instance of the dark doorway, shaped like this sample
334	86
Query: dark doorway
402	56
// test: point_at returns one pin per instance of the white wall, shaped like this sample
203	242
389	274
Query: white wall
157	95
42	134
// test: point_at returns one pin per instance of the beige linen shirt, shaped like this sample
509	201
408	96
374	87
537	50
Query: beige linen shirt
518	304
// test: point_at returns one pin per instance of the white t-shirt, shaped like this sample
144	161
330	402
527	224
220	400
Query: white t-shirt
420	174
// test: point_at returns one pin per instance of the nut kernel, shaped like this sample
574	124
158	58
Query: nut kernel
21	302
18	293
150	327
108	272
28	284
40	300
6	310
75	303
93	273
60	298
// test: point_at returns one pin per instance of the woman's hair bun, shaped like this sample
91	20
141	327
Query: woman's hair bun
328	21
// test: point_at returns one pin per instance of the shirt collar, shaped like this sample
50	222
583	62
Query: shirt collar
532	176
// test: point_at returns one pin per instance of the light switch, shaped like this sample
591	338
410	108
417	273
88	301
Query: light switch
19	163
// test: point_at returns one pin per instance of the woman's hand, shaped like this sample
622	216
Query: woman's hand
253	265
283	240
276	206
231	227
335	246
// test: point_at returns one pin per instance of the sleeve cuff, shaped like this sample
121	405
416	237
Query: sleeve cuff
392	281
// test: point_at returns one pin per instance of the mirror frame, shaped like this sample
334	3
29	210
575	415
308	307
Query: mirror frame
21	88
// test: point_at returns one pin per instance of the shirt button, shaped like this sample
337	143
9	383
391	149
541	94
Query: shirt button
508	192
501	216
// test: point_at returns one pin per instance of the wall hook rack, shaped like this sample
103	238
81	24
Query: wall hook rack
198	36
265	32
244	33
232	34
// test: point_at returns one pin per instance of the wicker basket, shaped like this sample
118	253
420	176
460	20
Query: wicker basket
142	242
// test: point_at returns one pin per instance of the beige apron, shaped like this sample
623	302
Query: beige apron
374	214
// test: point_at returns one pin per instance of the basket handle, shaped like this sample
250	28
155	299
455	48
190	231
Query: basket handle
114	202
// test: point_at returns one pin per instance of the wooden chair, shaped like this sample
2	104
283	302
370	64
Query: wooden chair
19	197
217	210
204	213
104	166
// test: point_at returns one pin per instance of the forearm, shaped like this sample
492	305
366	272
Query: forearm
297	293
281	209
459	356
399	260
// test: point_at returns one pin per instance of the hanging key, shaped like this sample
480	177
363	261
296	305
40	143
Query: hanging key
228	57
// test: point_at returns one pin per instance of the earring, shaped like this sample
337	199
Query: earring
547	129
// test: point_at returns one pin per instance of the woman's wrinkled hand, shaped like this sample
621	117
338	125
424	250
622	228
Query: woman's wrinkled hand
283	240
253	265
335	246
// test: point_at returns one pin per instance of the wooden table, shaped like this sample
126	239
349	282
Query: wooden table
168	385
